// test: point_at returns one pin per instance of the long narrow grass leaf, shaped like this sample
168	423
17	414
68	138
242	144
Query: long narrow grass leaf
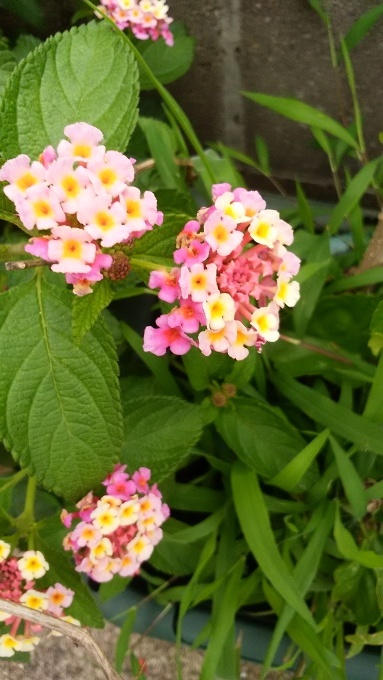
351	482
255	524
290	476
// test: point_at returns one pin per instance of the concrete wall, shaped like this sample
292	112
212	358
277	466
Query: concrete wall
279	47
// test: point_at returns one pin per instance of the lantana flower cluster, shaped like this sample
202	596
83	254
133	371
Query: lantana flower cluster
145	18
17	583
118	531
80	197
232	277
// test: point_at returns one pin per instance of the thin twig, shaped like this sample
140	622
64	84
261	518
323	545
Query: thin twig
24	264
80	635
151	163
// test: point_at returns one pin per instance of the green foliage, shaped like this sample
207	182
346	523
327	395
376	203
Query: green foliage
167	63
59	83
70	444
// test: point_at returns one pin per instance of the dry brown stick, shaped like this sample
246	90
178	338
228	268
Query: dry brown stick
80	635
24	264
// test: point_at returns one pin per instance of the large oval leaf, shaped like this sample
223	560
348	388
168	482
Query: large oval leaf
85	74
159	433
60	411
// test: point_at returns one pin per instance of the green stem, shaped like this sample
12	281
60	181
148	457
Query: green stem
169	100
147	265
25	521
15	479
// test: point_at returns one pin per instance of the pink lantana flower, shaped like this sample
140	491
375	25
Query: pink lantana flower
158	340
167	282
72	250
84	144
103	220
198	281
111	173
40	208
21	174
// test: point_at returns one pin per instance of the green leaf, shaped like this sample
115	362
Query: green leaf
339	419
155	248
304	209
159	366
362	25
7	64
350	581
355	190
202	371
302	113
349	549
25	44
376	329
255	523
167	63
122	645
159	433
351	482
262	154
86	74
60	411
290	476
259	435
61	570
312	277
367	278
87	309
224	169
163	146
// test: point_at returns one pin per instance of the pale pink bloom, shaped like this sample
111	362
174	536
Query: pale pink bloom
196	251
32	565
219	189
141	478
140	548
141	211
21	174
48	156
227	205
103	221
105	518
34	599
82	285
59	598
218	309
5	549
112	501
263	227
83	144
285	233
129	512
289	264
66	518
111	173
118	473
8	645
221	233
149	503
72	250
158	340
69	184
245	338
220	340
188	316
39	208
287	292
122	489
86	533
252	201
129	565
103	548
38	247
265	320
167	282
198	281
105	569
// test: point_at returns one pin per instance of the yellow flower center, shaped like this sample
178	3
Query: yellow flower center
25	181
72	248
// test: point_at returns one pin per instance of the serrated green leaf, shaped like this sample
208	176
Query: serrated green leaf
159	433
61	571
7	64
167	63
202	371
87	309
85	74
60	410
302	113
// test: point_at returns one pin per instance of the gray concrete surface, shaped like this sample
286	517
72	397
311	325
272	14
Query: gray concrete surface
278	47
59	659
